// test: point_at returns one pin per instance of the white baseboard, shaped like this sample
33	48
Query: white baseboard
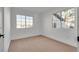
16	38
46	36
60	40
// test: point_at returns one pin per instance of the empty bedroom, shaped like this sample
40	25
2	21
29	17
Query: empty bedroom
43	29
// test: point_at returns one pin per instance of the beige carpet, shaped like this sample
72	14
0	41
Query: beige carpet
39	44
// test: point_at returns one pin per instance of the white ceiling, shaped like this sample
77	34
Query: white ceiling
35	9
40	9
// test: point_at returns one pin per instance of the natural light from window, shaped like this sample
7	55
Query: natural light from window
24	21
65	18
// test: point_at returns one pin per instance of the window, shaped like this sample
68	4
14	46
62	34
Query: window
29	21
64	19
56	22
24	21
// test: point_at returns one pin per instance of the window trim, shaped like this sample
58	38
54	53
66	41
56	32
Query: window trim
26	27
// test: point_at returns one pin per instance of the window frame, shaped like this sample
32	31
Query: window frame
61	16
26	26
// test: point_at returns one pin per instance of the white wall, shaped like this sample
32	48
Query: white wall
43	26
1	30
68	36
6	28
23	33
78	21
78	25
